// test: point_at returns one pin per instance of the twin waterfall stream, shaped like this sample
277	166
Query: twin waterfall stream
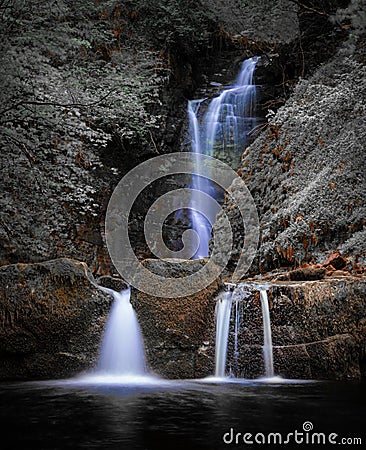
223	128
223	316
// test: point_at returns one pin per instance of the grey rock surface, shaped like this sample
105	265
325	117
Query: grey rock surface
52	317
257	20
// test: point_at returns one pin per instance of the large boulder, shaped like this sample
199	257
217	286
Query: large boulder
179	333
52	317
318	329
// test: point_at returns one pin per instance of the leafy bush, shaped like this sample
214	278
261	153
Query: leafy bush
68	75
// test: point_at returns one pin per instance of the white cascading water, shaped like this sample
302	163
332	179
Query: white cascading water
230	115
267	335
122	351
199	223
226	124
223	312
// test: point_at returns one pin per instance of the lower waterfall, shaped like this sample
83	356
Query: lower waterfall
228	326
122	352
267	335
223	312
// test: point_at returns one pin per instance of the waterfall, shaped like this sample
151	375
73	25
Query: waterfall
199	223
225	126
122	351
230	115
267	334
223	312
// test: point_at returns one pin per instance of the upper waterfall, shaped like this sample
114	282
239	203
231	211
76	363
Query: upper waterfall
224	127
230	116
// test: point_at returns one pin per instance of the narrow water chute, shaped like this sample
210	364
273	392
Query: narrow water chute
267	335
122	351
223	312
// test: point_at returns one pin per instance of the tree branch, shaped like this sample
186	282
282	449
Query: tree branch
61	105
308	8
153	141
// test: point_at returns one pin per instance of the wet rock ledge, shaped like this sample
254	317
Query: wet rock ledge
52	316
318	329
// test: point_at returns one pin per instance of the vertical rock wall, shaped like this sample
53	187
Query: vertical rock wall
306	171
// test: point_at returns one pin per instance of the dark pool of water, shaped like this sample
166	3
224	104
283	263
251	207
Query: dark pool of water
181	415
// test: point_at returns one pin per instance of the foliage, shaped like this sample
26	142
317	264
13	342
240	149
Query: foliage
68	78
70	82
354	15
180	26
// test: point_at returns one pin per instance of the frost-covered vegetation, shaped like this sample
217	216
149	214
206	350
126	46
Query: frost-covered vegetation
71	82
82	100
68	77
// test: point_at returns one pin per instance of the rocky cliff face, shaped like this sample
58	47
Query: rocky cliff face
89	92
307	170
52	317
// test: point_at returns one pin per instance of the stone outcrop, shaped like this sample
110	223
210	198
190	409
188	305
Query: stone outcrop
114	283
52	316
335	265
179	333
318	329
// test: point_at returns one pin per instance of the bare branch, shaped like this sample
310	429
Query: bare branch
61	105
154	143
258	129
308	8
